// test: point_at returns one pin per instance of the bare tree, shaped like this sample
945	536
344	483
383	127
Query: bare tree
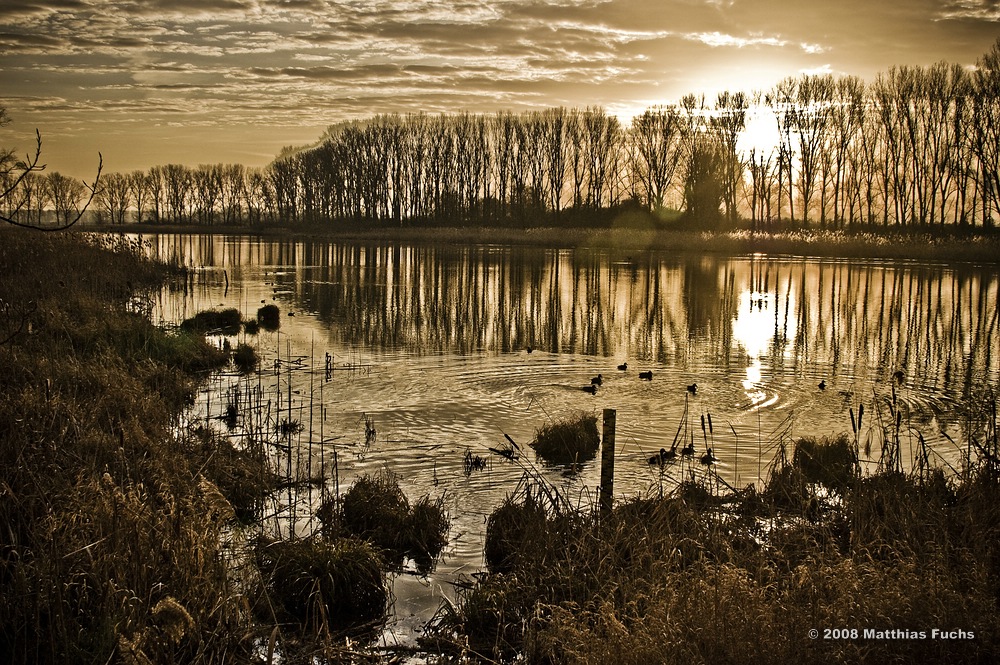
14	172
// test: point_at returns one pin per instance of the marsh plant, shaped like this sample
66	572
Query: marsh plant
696	575
376	510
572	440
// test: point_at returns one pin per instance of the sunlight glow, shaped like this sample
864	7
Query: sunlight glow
761	132
754	329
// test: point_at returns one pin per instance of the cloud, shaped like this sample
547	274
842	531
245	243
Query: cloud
301	64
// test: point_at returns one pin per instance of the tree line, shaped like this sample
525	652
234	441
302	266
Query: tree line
917	146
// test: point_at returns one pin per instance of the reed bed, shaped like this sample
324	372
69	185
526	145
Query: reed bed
127	533
699	576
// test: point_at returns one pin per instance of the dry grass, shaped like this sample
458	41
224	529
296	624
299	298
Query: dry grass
568	441
375	509
697	577
115	525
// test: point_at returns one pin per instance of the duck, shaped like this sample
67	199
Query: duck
597	380
529	349
659	457
592	389
623	366
709	458
647	376
669	455
693	389
822	385
688	450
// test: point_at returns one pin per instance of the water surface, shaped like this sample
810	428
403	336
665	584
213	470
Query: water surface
447	349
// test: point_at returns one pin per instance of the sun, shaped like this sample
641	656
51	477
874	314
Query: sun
760	133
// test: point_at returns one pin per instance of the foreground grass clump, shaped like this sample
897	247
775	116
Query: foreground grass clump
376	510
700	577
324	587
568	441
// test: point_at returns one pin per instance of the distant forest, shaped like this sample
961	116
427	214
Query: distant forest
916	147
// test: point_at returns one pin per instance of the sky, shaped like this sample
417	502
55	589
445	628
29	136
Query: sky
150	82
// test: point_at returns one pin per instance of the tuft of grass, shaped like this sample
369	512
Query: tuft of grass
224	322
245	358
426	533
572	440
830	462
375	509
269	317
325	587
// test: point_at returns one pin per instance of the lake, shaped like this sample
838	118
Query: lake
442	351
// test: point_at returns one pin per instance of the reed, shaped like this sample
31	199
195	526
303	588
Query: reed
699	576
123	536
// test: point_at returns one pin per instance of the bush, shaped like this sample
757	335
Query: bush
569	441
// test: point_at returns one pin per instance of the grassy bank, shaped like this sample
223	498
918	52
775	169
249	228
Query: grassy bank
125	535
875	243
703	577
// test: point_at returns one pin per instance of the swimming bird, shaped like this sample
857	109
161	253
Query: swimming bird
659	457
898	377
693	389
592	389
688	450
709	458
670	455
529	349
822	385
597	380
648	376
623	366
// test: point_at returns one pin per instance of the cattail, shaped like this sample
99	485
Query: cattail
854	427
710	424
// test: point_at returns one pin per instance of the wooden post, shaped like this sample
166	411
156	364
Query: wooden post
608	463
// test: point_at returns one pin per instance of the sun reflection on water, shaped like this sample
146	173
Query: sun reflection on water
755	330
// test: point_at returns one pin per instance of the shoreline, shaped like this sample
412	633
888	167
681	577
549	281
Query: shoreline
977	248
